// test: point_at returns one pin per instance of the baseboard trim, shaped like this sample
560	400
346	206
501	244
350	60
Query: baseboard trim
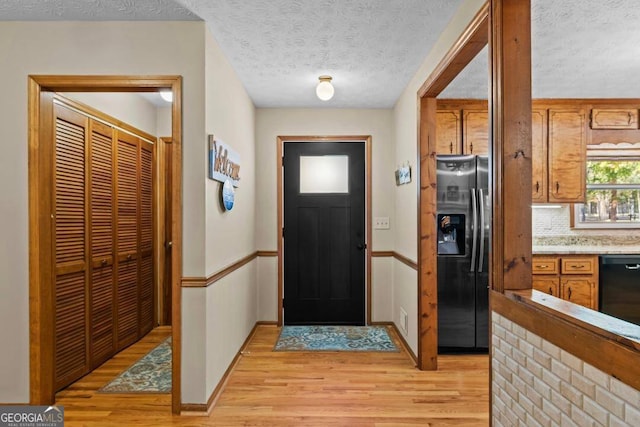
204	409
404	342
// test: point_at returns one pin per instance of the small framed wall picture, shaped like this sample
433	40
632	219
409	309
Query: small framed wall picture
403	175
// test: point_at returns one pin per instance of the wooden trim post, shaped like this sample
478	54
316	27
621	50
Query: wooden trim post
510	107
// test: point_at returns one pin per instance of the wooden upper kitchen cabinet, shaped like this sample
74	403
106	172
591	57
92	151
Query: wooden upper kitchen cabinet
539	156
475	125
570	277
567	155
448	132
462	128
614	118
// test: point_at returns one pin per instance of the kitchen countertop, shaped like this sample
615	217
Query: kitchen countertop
585	249
588	245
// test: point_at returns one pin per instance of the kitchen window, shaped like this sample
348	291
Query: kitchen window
613	192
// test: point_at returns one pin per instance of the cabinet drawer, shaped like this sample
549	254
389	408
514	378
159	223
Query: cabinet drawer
610	118
545	265
578	265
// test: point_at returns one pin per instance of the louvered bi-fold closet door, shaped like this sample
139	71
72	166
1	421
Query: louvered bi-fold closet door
146	238
127	166
102	243
71	271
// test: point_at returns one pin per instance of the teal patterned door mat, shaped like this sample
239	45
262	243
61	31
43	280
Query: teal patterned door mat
150	374
334	338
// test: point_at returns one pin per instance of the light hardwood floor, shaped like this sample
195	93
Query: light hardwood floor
300	389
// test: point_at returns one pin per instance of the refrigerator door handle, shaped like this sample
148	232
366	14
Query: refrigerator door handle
481	206
474	224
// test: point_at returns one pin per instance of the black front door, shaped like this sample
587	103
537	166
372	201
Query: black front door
324	236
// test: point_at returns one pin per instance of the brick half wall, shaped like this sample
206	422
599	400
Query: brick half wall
536	383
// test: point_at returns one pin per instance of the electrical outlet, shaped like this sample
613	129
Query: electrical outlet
381	223
404	321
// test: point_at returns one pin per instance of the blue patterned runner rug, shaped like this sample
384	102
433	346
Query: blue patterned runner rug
150	374
334	338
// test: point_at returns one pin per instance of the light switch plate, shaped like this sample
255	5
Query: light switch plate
381	223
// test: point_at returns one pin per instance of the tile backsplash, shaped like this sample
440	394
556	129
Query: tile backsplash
555	222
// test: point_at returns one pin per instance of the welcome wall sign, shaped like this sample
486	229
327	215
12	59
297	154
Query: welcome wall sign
224	166
224	163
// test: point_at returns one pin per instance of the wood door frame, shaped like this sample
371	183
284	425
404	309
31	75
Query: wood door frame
472	40
506	26
280	140
162	181
41	262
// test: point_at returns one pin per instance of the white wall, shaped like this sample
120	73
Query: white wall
163	121
127	107
406	140
271	123
267	288
127	48
382	289
404	296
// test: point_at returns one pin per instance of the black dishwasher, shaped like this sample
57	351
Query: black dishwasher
620	286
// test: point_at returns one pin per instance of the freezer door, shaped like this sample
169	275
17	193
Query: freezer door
456	184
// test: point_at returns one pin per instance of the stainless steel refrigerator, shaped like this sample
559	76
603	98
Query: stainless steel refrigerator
463	230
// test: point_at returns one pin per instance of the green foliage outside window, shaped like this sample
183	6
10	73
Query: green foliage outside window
613	192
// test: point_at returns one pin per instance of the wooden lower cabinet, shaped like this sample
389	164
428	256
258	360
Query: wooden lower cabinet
570	277
580	290
549	285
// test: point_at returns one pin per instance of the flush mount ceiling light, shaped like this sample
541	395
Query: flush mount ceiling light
324	90
167	95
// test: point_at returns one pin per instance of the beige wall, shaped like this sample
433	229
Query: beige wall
230	305
79	48
230	116
406	140
271	123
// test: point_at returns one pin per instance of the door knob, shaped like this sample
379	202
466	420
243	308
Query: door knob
169	244
361	246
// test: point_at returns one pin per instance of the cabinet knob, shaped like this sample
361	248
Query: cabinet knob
577	266
569	293
451	147
471	148
629	115
557	186
537	186
550	290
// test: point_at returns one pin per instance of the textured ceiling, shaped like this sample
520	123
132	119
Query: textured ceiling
581	48
371	48
94	10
